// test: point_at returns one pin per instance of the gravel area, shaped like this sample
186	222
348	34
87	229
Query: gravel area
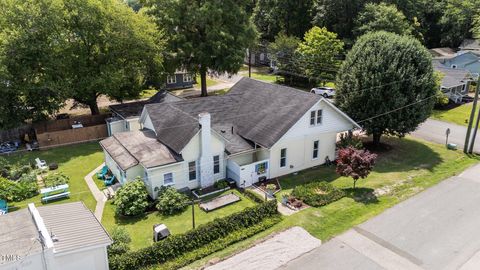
272	253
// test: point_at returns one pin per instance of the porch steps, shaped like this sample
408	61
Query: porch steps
40	182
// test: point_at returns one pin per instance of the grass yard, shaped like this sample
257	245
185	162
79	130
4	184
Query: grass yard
140	228
412	166
75	161
459	115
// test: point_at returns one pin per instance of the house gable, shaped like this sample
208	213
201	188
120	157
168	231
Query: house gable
333	121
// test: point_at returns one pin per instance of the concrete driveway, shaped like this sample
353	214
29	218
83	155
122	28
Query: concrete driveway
436	229
434	131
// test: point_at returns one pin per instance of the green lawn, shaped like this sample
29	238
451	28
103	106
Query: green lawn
409	168
459	115
140	228
75	161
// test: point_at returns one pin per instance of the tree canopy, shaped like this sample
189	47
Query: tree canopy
52	50
378	17
320	51
457	20
293	18
387	83
205	35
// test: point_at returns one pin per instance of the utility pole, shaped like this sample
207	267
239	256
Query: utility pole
472	144
249	63
472	117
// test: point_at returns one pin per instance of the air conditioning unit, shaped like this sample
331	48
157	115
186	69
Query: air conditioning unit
160	232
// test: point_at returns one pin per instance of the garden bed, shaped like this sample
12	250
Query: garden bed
317	193
262	186
218	187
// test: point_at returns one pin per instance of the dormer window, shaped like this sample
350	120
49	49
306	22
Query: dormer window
316	117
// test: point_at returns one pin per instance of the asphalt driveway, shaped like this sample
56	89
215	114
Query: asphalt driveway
436	229
434	131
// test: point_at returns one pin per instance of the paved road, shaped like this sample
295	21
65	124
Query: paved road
434	130
436	229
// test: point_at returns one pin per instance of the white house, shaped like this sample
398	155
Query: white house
257	130
54	237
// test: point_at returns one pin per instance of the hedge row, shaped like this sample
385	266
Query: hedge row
177	245
317	193
218	245
253	196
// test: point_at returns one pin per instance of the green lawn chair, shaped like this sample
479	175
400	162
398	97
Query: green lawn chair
109	181
101	174
3	207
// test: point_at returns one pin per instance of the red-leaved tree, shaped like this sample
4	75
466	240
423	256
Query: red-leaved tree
355	163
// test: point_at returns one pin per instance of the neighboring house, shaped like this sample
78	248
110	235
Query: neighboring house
256	130
125	116
462	60
54	237
470	45
455	82
179	80
258	56
439	53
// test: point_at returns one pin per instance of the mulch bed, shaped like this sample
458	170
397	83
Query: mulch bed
263	185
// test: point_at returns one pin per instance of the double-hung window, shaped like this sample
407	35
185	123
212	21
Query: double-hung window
168	179
316	117
171	79
283	157
216	164
315	150
312	118
187	77
192	170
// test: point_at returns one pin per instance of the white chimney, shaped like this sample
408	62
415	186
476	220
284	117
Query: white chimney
206	157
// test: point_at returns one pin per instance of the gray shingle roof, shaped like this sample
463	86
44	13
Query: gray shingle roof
131	148
259	113
134	109
74	226
452	76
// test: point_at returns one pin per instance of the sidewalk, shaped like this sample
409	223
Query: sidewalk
99	196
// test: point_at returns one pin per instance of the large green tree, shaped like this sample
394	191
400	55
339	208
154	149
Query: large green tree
31	46
377	17
111	51
387	83
291	17
456	22
320	51
205	35
51	50
283	52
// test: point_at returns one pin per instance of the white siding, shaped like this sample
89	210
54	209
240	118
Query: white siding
147	122
243	159
299	141
191	152
89	259
116	127
134	124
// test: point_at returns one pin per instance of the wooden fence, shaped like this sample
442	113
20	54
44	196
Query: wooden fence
60	132
64	124
71	136
17	133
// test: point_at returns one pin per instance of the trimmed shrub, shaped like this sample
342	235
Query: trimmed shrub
121	240
170	201
56	179
347	140
253	196
17	190
131	199
221	184
177	245
317	193
218	245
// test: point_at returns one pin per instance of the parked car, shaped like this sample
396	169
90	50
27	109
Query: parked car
326	92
